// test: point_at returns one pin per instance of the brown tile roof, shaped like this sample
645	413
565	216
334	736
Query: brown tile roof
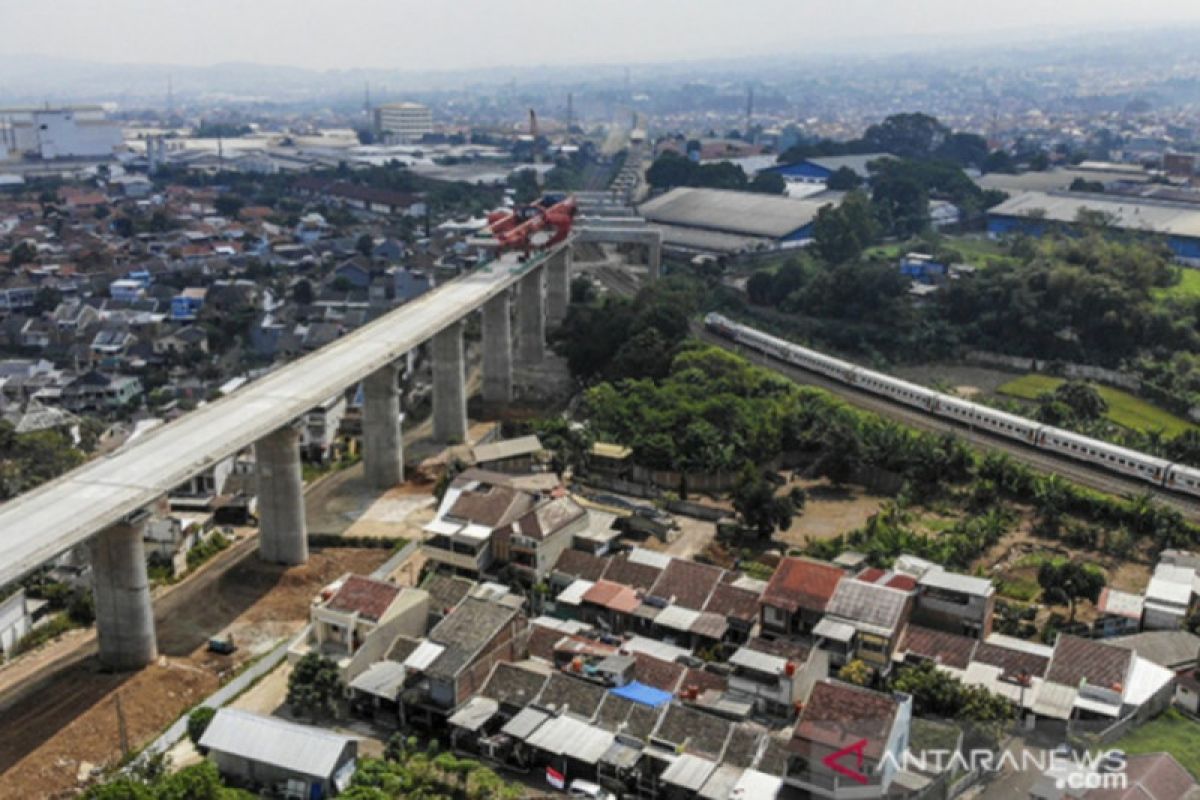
548	518
1153	776
703	680
775	757
699	733
744	744
655	672
491	506
838	715
734	603
949	649
639	576
642	720
512	685
579	696
446	591
369	597
1013	662
802	583
1077	659
686	583
579	564
607	594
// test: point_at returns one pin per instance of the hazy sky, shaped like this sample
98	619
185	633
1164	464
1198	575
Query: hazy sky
446	34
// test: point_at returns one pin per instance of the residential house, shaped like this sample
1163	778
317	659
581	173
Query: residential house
532	543
186	305
357	621
409	284
863	621
126	290
1169	597
776	684
95	391
15	621
287	759
838	716
454	660
188	339
1091	684
319	429
955	603
1120	612
797	594
518	456
461	534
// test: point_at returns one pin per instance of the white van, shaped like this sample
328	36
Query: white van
589	790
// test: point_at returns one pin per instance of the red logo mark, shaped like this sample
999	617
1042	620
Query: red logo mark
856	774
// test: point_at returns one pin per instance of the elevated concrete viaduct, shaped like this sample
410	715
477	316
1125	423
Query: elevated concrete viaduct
103	501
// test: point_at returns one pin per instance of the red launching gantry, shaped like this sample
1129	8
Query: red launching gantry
539	225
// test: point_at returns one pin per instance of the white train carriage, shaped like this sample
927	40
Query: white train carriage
901	391
1183	478
821	363
1118	459
987	419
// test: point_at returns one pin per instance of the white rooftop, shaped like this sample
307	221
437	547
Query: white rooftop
269	740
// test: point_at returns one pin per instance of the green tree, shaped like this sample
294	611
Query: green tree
302	293
314	686
365	245
1069	581
907	135
755	501
1083	399
23	252
768	183
843	179
855	671
198	722
841	233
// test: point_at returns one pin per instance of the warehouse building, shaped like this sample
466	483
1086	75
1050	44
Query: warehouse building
723	221
819	170
1036	213
283	757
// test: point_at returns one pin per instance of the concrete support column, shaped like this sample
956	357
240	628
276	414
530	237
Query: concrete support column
383	447
497	351
558	287
283	533
449	386
654	260
531	320
124	616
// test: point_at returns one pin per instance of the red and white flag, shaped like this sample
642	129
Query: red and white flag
556	778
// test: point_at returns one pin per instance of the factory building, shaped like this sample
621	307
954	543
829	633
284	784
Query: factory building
1036	213
403	122
68	132
723	221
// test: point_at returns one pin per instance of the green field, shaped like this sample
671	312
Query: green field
1172	733
1188	286
1123	408
975	250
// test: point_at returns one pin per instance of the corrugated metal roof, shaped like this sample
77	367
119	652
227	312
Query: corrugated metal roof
746	213
474	713
425	654
832	629
955	582
507	448
677	618
573	594
526	721
1054	700
688	772
720	784
754	784
1127	213
651	558
573	737
269	740
382	679
760	662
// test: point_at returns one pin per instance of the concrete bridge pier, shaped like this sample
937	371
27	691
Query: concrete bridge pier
283	533
449	385
531	319
121	587
497	351
383	446
558	286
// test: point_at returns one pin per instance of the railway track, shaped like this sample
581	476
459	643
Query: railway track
1038	459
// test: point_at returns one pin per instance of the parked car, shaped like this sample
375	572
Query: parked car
589	790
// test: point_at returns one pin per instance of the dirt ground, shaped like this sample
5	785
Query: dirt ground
345	506
72	719
829	511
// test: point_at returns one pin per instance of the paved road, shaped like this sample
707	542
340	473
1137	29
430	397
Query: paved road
40	524
1046	462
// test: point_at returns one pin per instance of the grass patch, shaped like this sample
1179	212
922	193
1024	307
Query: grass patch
1170	732
1124	409
758	570
1187	288
58	625
1023	589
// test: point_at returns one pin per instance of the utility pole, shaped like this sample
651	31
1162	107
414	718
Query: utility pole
749	111
122	730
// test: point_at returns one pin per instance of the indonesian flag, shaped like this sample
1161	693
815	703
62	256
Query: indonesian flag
556	778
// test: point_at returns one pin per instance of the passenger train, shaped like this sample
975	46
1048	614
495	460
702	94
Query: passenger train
1131	463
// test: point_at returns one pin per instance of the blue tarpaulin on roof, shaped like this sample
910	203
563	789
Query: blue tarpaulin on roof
641	693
